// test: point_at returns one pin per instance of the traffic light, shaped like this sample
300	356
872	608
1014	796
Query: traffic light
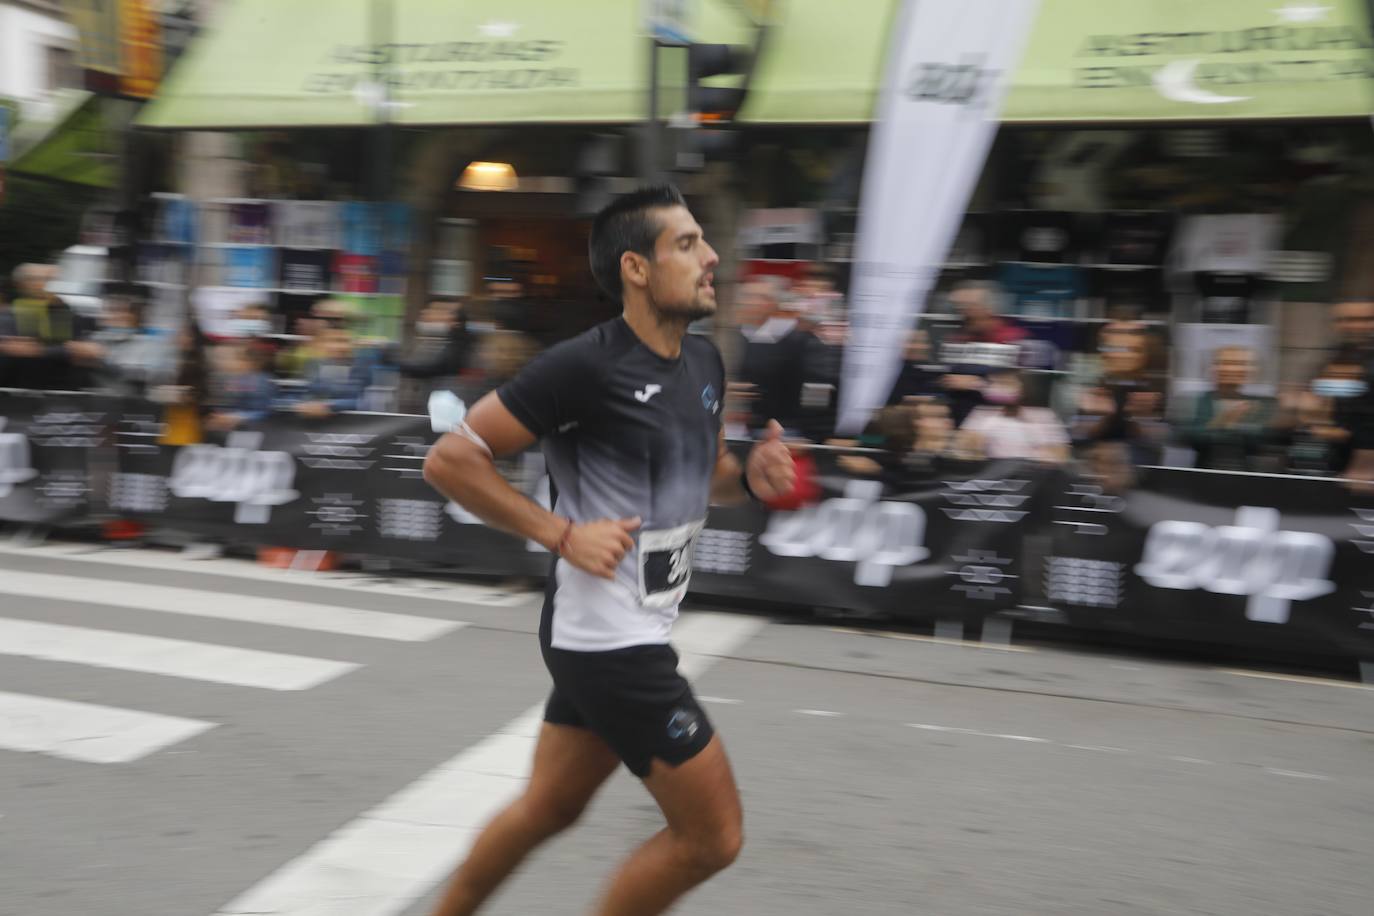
699	135
598	161
716	104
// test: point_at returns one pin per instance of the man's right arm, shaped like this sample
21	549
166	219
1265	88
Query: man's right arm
464	471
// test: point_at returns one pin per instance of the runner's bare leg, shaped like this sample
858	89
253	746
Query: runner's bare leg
570	765
703	836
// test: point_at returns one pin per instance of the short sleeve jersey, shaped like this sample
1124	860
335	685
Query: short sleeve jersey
626	433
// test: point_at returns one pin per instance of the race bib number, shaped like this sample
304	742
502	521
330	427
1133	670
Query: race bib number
665	564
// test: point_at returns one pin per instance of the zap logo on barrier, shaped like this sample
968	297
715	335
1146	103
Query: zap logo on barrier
16	462
236	473
857	528
1252	557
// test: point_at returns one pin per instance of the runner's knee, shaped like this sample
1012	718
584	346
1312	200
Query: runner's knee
551	814
714	851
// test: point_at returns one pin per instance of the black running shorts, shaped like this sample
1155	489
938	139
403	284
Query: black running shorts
633	699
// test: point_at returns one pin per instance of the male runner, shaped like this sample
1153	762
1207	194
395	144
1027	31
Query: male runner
629	415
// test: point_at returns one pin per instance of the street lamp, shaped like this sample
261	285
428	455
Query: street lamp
488	176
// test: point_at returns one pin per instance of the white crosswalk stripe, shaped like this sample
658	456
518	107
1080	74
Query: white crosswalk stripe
429	589
170	657
108	734
197	603
86	732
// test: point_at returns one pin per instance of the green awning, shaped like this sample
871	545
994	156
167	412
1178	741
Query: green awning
1097	61
270	63
74	145
1195	60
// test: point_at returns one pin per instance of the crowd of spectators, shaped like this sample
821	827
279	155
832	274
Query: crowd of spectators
969	398
963	397
251	367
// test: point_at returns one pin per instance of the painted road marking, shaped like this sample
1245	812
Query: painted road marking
389	857
88	733
434	590
193	602
167	657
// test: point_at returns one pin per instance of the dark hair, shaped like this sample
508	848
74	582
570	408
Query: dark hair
625	225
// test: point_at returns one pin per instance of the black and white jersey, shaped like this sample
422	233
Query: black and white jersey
625	433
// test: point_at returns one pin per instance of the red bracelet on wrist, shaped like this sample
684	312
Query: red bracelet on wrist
562	544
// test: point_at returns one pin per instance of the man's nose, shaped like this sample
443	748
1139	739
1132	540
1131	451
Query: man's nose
712	259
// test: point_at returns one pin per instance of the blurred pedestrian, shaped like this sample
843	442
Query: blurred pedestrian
979	305
1354	324
498	358
133	358
246	391
324	315
1352	321
1127	403
334	380
921	375
781	357
1005	428
1228	426
1119	424
187	397
441	351
44	341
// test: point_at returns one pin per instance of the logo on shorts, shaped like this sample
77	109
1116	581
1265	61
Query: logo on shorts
683	725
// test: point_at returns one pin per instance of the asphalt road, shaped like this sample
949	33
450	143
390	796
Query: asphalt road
208	738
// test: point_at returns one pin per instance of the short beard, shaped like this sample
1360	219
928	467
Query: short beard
682	315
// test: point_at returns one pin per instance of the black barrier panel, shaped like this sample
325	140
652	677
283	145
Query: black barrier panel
51	449
940	544
1232	558
350	483
1239	559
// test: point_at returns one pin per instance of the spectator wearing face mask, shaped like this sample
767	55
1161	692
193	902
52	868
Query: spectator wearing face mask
335	380
1321	438
1228	427
1354	324
245	389
252	322
441	352
133	358
1004	428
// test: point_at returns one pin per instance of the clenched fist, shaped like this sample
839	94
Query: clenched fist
598	547
771	471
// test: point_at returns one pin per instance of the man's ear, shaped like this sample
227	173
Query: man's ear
634	269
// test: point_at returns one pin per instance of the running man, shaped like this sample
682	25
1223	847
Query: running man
630	418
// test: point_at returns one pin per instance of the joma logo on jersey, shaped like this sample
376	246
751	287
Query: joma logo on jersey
237	473
16	464
1252	557
857	528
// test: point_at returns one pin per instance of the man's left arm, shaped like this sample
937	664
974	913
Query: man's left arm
771	472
